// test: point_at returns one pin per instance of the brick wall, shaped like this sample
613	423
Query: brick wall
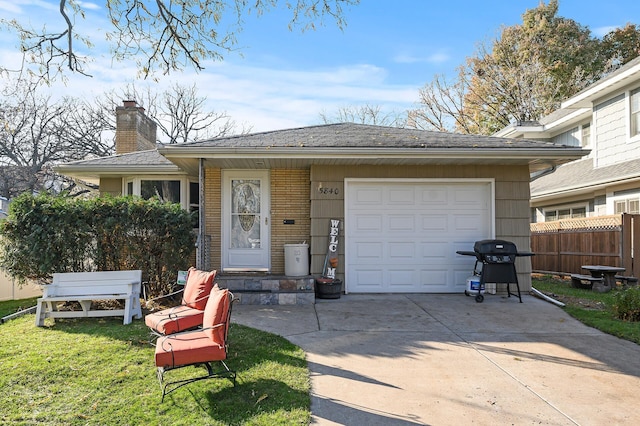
289	201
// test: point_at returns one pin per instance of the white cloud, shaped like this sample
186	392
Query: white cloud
434	58
602	31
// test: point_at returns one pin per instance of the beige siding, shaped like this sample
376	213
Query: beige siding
111	186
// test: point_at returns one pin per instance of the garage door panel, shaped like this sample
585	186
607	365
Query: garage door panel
469	222
407	241
468	197
367	224
401	196
369	280
401	251
368	195
401	278
435	223
433	197
401	223
433	280
369	251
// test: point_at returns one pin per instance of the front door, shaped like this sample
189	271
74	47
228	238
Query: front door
245	225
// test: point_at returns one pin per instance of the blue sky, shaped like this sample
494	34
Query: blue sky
388	50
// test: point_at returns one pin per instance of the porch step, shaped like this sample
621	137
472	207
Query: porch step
269	289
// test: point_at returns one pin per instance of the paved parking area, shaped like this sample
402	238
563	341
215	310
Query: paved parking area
443	359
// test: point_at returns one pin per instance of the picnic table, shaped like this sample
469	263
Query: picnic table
602	278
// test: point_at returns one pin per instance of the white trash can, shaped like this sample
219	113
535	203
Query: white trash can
296	260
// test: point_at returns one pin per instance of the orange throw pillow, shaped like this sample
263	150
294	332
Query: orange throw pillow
198	287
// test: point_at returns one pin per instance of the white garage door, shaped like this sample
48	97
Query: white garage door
402	236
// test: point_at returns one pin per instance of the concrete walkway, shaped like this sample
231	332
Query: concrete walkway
447	360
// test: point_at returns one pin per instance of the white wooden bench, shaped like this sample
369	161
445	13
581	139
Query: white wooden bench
85	287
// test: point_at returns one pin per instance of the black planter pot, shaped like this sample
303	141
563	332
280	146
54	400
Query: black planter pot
327	288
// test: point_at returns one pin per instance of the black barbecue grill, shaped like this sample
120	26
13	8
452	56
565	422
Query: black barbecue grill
497	259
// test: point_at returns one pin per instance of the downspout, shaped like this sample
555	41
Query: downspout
201	243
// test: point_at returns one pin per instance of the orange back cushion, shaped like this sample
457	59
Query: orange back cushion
216	313
198	287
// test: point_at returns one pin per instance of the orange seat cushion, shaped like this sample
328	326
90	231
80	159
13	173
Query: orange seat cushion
197	288
174	320
187	348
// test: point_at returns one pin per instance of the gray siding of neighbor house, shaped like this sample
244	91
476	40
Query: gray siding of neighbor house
511	204
610	132
570	137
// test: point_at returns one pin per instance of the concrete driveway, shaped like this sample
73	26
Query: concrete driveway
446	360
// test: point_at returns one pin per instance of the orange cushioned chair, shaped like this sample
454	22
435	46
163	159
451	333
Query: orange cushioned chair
188	315
201	347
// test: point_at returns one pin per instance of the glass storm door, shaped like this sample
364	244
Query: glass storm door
245	228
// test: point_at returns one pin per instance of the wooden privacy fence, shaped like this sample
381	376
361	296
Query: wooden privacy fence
563	246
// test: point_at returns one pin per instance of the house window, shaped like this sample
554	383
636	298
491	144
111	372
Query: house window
182	190
635	112
629	205
165	190
564	213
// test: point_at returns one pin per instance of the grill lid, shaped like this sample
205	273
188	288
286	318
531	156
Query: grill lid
495	247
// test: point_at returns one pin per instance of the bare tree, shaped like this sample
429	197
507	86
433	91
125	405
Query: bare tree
160	35
179	112
364	114
38	132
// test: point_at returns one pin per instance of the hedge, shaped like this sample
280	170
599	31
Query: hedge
44	234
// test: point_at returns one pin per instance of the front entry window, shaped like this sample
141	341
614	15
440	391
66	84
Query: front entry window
245	214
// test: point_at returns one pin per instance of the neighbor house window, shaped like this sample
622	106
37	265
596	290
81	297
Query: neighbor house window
635	112
628	205
564	213
586	135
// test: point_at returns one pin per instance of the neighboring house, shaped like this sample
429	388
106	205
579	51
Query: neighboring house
406	199
605	118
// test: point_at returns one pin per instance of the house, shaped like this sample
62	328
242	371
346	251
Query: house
604	118
406	200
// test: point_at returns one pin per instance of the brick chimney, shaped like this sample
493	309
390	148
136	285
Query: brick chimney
134	130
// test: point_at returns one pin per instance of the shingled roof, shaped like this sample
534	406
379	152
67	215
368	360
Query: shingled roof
352	135
345	143
582	176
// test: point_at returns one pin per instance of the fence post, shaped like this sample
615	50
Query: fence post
635	244
626	243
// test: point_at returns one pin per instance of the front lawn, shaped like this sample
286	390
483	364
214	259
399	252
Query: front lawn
97	371
592	308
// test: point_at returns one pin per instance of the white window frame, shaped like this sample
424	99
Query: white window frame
184	186
630	115
570	207
582	138
626	198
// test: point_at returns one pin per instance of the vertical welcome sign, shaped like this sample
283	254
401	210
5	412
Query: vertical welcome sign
331	259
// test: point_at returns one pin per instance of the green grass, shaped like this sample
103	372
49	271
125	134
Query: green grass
12	306
592	308
96	371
